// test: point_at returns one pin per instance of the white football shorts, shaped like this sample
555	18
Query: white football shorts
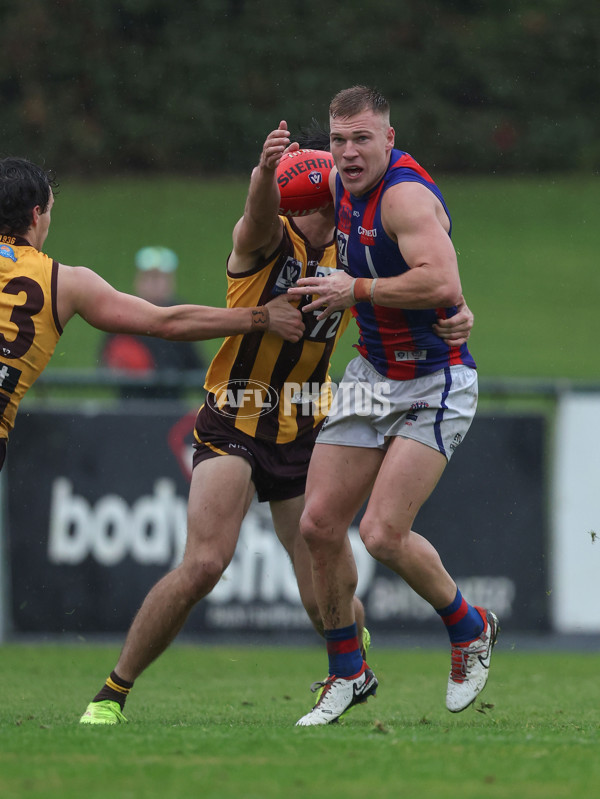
369	409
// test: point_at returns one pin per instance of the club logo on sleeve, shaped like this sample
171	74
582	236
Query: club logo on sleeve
9	377
7	252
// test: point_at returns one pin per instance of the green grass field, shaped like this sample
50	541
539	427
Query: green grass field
527	252
218	722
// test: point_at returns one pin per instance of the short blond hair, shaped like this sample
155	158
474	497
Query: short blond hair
349	102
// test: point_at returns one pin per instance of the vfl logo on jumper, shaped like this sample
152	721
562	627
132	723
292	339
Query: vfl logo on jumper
316	178
410	355
243	399
9	377
7	252
289	274
342	247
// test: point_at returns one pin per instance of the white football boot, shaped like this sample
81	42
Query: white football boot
337	696
470	665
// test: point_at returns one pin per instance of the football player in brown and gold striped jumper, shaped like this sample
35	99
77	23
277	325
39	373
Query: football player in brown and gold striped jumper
266	402
38	296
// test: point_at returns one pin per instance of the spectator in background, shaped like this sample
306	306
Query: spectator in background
156	268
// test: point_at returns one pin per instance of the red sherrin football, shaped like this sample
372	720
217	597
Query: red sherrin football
303	179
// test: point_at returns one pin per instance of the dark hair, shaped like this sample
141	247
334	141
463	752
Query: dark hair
352	101
23	185
314	136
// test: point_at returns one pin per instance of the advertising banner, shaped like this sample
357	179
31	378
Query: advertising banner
96	514
575	598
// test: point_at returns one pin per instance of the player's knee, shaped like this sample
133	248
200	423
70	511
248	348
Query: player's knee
319	532
310	528
381	539
202	576
376	546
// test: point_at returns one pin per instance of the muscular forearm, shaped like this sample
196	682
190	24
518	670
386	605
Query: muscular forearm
417	289
262	203
260	223
198	322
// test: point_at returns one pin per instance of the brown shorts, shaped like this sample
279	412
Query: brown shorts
278	470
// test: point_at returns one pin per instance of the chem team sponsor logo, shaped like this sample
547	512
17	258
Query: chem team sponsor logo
370	233
241	397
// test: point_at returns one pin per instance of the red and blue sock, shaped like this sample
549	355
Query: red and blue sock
464	622
343	649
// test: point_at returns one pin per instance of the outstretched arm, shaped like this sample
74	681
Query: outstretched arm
82	291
